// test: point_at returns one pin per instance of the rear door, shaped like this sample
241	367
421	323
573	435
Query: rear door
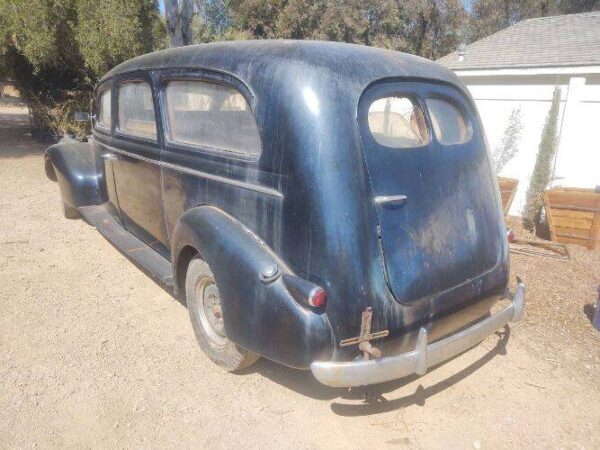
439	220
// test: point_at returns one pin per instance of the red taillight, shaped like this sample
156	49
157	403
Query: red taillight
317	297
510	236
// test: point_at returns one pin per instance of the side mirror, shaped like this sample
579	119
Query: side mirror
81	116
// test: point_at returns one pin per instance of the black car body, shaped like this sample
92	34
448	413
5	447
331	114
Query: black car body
293	166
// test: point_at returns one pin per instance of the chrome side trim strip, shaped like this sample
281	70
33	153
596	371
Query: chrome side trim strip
198	173
417	361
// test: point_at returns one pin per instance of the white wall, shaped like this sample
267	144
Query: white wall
578	159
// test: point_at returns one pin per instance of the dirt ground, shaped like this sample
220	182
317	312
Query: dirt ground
94	354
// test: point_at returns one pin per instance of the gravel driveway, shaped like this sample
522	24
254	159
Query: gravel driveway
94	354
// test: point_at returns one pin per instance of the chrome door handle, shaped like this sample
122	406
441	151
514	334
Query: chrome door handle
391	200
110	156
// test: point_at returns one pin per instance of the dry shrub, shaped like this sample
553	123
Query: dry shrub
58	118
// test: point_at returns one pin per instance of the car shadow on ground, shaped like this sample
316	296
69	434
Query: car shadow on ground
589	310
370	400
16	141
15	133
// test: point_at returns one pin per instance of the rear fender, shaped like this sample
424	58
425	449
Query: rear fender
80	176
261	316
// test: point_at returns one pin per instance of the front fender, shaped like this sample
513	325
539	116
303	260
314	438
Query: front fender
261	317
80	176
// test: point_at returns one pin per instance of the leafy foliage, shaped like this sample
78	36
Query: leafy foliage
491	16
57	49
541	177
128	29
509	146
423	27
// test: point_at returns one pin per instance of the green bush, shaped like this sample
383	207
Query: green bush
57	50
509	146
542	171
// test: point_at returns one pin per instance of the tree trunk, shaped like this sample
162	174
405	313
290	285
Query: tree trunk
179	22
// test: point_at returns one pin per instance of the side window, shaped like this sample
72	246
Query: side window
398	122
449	124
136	110
104	112
211	115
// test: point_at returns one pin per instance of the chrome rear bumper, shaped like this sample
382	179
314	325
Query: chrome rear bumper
417	361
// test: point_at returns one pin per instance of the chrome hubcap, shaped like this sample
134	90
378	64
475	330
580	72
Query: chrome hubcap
209	310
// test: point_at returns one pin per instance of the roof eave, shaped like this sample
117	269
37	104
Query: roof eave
528	70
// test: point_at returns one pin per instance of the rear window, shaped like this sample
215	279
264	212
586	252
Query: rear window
104	111
398	122
449	124
211	115
136	110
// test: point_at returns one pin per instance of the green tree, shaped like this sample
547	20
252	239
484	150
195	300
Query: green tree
57	49
540	178
112	31
490	16
429	28
578	6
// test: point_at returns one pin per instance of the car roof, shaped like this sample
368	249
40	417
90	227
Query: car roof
263	60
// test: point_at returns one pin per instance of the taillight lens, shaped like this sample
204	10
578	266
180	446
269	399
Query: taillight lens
317	297
510	236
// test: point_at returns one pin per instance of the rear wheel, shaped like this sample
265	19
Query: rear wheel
204	305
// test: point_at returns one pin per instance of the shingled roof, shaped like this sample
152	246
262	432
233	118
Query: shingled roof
569	40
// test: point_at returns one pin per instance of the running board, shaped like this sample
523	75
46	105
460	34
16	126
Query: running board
145	258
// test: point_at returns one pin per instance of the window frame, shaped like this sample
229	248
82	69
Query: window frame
420	89
100	90
212	77
461	109
116	120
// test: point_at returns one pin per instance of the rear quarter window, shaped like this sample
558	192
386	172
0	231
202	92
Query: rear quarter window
449	123
211	115
398	122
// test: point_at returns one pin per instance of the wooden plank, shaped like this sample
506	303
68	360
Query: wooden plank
570	214
549	216
578	233
569	240
574	216
594	241
584	198
571	222
575	208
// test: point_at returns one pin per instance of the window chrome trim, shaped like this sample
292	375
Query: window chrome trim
99	125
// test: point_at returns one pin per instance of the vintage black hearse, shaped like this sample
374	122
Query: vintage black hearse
324	205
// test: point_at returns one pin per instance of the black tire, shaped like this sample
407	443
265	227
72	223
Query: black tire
200	292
